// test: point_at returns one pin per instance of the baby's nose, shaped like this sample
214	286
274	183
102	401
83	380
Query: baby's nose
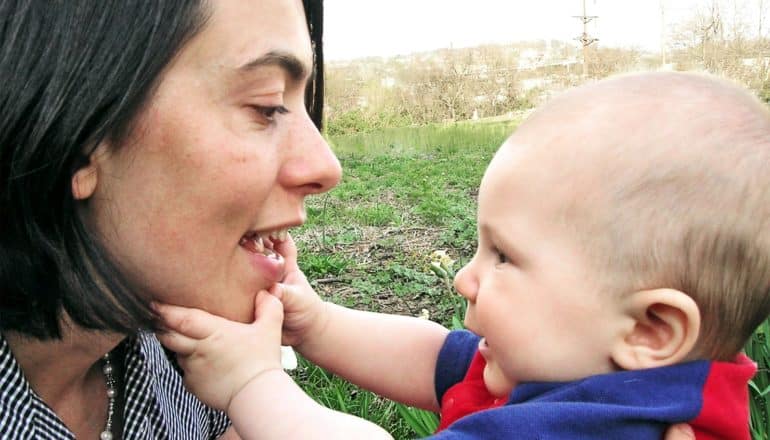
466	284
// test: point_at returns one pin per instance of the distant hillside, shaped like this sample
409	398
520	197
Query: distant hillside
493	80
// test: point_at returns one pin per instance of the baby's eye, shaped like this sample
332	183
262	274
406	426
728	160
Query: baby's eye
501	257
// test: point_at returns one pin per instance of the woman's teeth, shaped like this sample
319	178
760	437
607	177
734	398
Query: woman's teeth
263	242
254	244
278	235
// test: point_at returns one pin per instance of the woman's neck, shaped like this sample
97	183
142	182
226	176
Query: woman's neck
58	370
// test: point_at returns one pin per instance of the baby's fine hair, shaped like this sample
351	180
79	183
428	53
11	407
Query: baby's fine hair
685	199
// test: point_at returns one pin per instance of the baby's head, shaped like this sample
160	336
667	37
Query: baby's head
624	225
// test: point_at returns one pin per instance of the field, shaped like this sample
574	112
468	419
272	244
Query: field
406	193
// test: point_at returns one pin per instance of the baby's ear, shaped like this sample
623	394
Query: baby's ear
666	323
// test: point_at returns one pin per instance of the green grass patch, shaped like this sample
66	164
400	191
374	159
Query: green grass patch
442	139
759	350
333	392
322	265
376	215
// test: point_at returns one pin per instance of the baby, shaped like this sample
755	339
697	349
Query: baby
623	261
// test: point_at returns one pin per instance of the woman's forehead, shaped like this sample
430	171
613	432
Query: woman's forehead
239	34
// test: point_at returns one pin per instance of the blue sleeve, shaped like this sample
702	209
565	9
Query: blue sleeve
454	359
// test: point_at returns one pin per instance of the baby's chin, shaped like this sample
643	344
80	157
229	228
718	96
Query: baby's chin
496	385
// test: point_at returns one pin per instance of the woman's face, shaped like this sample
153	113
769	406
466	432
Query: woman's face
225	152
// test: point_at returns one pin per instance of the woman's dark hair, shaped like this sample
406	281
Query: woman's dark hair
314	95
72	74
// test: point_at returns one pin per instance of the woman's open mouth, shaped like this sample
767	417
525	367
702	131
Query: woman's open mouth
261	247
263	242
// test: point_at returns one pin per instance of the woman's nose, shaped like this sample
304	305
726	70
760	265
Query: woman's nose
466	283
313	168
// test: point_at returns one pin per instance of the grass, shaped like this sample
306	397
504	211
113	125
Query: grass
408	193
405	193
759	350
431	139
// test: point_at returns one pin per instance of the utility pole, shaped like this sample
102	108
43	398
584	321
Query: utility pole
585	39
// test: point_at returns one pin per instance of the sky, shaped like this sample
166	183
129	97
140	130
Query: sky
361	28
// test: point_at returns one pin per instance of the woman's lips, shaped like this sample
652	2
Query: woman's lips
268	262
271	267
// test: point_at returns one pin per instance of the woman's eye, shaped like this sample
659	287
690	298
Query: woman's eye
267	114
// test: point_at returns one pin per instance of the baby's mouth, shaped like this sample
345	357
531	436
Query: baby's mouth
263	242
484	348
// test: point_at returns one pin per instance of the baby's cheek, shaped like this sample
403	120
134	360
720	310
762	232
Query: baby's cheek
470	319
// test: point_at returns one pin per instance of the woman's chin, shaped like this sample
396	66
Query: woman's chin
241	310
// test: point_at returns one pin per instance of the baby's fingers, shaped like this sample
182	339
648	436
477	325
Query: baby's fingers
194	323
178	343
268	308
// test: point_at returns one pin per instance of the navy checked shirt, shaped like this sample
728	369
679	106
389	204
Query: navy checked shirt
157	406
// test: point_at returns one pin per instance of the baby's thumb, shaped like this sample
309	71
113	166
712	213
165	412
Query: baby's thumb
268	308
286	293
288	249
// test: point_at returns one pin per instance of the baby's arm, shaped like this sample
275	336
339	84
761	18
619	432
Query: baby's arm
236	367
394	356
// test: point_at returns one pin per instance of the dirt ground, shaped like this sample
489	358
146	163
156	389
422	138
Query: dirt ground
374	251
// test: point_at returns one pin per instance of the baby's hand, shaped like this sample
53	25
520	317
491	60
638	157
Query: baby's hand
220	357
304	311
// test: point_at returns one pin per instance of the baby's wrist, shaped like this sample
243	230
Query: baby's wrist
315	333
261	381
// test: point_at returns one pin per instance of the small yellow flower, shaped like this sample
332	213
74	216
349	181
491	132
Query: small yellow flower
443	260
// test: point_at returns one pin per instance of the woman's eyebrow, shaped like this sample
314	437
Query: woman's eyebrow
291	64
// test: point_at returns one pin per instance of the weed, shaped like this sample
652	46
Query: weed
377	215
322	265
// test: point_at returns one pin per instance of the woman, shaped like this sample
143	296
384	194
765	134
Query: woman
148	151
